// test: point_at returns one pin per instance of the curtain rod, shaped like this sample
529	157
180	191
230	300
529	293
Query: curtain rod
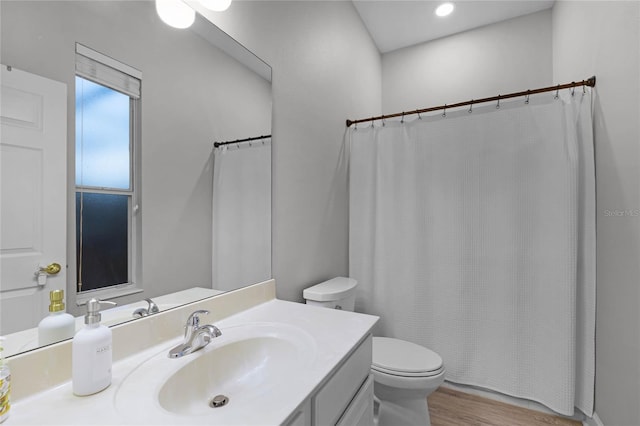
255	138
591	82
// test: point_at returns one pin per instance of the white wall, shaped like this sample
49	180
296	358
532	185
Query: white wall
509	56
192	95
325	69
602	38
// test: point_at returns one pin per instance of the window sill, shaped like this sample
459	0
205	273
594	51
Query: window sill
107	293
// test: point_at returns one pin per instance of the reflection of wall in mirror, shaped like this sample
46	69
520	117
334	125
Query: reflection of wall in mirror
192	94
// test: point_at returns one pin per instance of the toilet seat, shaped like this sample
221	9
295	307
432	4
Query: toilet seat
404	359
408	375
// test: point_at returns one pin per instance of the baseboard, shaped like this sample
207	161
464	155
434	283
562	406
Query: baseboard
593	421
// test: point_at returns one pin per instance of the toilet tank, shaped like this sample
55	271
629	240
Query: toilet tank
336	293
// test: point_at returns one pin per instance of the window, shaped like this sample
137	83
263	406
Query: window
107	138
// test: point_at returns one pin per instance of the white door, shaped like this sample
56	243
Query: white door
33	173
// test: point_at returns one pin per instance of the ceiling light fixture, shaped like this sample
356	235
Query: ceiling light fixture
216	5
175	13
444	9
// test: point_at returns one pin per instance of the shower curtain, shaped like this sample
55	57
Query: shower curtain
241	214
473	234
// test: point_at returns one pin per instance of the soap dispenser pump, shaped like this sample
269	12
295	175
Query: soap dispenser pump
91	353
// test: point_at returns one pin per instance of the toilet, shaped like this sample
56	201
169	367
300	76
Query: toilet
404	373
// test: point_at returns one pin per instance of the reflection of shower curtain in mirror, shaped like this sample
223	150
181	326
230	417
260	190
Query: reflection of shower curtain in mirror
241	215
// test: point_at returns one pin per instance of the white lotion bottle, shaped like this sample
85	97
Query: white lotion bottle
91	353
58	325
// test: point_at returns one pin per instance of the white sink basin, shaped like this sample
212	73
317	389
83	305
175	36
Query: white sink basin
247	364
242	371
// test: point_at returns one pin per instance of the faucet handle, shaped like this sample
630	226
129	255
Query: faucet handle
194	319
153	308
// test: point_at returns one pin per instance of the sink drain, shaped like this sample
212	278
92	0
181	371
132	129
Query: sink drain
218	401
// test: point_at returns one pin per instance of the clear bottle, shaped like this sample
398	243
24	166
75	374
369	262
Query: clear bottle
5	387
58	325
91	353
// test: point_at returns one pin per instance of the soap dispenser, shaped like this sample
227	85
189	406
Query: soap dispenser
58	325
5	387
91	353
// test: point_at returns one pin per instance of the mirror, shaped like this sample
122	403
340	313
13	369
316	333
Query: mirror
198	86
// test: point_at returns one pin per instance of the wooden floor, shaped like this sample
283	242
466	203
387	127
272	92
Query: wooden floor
448	407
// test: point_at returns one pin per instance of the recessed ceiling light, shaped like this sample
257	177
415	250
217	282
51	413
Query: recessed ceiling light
444	9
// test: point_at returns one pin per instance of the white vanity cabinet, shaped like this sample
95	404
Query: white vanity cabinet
331	385
345	398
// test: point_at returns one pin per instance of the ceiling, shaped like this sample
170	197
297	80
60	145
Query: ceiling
394	24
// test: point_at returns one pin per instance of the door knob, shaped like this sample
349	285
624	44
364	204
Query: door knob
51	269
44	271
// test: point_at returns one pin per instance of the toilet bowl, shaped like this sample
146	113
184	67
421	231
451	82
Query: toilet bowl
404	373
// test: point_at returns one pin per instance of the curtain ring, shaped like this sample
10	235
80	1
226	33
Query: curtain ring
526	100
402	119
419	116
498	104
557	93
573	88
584	90
383	123
471	107
444	110
238	145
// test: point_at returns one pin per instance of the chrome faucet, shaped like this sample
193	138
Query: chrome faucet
196	336
143	312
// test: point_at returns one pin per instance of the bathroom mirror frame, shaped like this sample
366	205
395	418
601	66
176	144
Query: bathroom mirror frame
220	43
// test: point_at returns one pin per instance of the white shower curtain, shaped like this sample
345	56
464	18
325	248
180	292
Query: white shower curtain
474	235
241	214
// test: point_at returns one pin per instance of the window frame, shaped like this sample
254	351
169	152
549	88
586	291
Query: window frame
134	284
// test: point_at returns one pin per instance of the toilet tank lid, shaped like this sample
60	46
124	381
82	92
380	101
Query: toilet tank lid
333	289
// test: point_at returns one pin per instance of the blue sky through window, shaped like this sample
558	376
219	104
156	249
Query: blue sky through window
102	136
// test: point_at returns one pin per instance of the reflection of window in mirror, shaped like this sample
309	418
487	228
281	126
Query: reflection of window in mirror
107	134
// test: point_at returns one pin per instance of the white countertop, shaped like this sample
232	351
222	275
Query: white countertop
335	334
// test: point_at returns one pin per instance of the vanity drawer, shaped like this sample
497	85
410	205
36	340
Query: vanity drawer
360	411
332	400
